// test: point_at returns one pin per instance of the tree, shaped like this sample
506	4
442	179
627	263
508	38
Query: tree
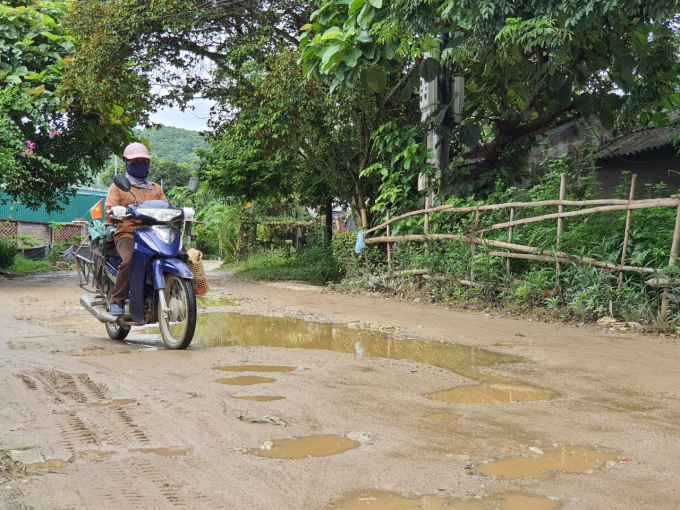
46	145
173	144
527	64
169	173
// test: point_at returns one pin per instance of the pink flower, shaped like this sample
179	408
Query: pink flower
54	132
30	146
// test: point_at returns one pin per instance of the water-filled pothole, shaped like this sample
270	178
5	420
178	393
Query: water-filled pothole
258	398
120	401
381	500
173	451
47	464
494	393
573	459
245	380
259	368
232	329
303	447
214	301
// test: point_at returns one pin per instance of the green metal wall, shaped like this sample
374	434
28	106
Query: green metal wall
79	207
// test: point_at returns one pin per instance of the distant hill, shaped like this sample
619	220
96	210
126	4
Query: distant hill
173	144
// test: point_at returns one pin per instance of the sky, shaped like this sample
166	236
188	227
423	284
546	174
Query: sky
195	120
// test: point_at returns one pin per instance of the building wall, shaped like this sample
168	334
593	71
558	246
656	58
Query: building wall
40	231
651	167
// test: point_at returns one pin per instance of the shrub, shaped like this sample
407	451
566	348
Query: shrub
7	253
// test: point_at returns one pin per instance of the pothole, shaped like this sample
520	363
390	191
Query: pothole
214	301
381	500
258	398
259	368
495	393
573	459
303	447
173	451
245	380
120	401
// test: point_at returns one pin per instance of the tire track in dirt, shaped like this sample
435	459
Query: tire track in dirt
12	499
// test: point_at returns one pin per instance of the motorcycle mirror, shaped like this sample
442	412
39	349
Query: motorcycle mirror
193	186
122	182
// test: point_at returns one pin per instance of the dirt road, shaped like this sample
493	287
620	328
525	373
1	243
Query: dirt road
125	426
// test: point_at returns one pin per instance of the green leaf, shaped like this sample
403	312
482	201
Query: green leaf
50	36
328	54
430	69
607	119
355	6
376	3
660	119
351	57
469	134
331	33
376	79
13	78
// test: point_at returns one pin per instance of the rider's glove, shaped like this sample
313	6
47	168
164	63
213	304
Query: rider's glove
189	213
118	211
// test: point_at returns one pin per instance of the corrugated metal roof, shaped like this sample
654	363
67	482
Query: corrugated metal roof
86	197
638	141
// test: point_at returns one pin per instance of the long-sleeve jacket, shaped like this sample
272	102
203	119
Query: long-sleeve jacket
117	196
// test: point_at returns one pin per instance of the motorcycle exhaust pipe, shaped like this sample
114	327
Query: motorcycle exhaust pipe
95	309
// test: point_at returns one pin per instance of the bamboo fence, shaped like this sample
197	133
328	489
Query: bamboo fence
518	251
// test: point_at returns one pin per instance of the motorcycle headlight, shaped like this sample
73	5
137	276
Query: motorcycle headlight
160	214
165	234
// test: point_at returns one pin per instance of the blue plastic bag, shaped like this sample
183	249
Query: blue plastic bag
360	242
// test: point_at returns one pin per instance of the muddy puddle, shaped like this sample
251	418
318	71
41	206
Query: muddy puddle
245	380
164	452
47	464
214	301
232	329
569	460
259	368
107	352
493	393
258	398
303	447
109	403
380	500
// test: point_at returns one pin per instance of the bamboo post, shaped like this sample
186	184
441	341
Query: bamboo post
560	228
626	233
473	246
510	233
675	251
427	220
389	251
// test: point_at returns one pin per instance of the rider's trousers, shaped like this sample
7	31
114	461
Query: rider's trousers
125	246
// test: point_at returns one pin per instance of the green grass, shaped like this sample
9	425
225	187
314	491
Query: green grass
314	265
22	265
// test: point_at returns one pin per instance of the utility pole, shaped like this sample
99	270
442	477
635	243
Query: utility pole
115	165
434	94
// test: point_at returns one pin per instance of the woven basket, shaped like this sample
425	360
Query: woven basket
199	281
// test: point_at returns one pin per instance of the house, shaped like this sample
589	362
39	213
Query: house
17	220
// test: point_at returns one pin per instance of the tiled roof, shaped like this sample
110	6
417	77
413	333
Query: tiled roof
640	140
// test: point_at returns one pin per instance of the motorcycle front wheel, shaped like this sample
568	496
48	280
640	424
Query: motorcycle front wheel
177	324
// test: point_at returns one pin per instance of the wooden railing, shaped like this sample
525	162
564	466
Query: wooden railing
518	251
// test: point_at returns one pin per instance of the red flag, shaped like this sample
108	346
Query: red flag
96	210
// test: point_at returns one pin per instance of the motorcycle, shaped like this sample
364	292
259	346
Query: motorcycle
161	289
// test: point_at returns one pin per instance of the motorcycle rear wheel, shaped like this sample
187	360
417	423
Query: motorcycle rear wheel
178	325
116	332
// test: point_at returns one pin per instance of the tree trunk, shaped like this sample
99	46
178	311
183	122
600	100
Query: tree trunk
328	233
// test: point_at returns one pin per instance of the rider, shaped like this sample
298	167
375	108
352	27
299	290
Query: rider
136	157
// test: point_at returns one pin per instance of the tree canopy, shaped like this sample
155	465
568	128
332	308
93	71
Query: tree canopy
173	144
527	64
46	144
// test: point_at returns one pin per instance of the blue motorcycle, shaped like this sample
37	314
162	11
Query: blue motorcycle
161	289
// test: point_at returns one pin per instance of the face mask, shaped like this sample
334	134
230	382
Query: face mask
138	169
